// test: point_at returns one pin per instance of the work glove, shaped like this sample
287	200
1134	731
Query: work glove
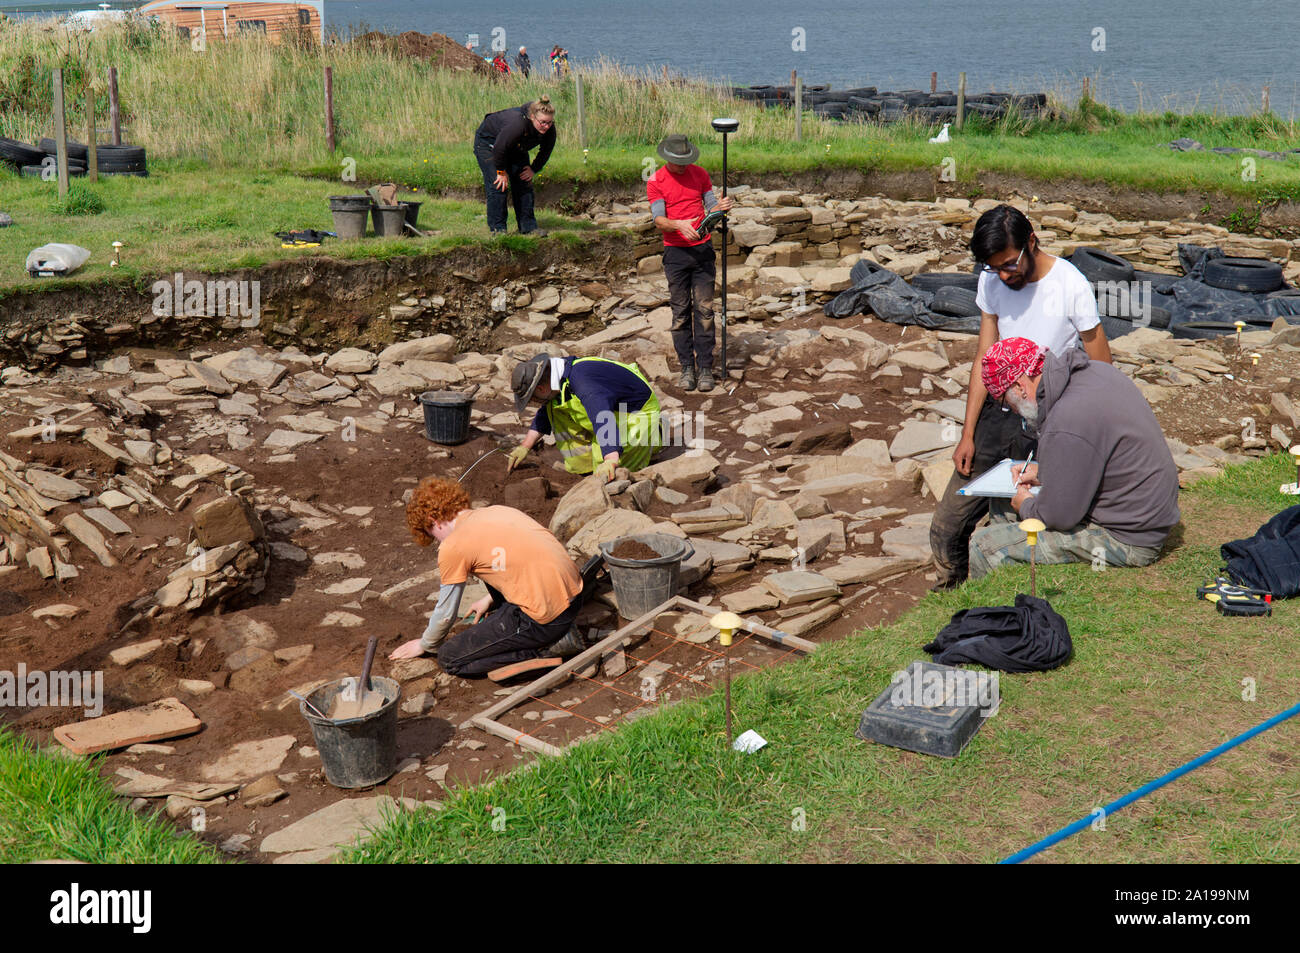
517	456
606	471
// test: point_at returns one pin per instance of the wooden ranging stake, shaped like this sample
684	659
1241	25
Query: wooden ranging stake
1032	528
726	623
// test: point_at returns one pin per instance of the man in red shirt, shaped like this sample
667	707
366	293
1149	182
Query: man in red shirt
680	195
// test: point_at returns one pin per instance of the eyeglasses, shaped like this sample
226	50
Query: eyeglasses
1011	269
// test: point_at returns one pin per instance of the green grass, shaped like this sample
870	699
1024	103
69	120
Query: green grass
247	105
186	216
1156	680
236	146
52	807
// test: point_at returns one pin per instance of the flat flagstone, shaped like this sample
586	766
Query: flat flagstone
794	586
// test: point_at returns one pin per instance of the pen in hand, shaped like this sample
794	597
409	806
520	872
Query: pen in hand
1021	479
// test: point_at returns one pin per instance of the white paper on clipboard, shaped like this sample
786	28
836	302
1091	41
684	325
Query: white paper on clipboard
996	482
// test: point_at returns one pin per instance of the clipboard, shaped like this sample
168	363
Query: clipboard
996	482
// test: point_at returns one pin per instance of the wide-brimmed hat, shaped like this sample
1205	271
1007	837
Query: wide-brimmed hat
678	150
527	375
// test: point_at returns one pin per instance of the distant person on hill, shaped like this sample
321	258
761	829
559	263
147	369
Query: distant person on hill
500	65
501	146
523	62
559	60
680	195
1023	292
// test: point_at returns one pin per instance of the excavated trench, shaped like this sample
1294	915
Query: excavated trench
318	303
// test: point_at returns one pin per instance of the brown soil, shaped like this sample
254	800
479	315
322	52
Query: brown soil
633	549
441	51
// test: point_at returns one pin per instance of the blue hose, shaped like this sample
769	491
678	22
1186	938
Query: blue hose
1147	788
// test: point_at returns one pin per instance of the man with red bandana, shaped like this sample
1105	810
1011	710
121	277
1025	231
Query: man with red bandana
1023	292
1109	486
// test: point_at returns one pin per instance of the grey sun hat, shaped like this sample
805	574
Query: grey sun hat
678	150
527	375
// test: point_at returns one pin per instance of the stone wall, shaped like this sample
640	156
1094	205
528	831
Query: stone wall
782	240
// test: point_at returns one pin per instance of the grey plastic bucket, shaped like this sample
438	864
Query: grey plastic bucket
446	415
390	221
642	584
356	752
412	213
350	214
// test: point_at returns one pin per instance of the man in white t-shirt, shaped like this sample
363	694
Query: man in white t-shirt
1023	292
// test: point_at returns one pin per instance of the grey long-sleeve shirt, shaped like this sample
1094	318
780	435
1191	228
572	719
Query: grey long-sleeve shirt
1101	454
444	615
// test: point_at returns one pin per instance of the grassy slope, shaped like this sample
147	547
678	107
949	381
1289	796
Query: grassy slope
228	129
1155	681
186	216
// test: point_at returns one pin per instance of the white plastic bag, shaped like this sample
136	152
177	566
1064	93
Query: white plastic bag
56	259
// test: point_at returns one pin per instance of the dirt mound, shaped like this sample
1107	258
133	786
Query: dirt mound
435	48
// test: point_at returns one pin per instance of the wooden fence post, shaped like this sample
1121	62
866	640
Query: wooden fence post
961	100
582	111
329	107
1266	109
798	108
60	132
114	109
92	155
934	82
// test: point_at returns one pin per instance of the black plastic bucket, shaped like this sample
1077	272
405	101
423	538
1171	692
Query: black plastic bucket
390	221
350	214
642	584
446	415
412	213
356	752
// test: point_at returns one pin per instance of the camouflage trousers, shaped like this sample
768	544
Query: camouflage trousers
1002	542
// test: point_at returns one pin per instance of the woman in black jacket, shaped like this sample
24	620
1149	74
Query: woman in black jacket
501	147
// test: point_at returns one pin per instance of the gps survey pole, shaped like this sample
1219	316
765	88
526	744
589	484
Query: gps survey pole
726	127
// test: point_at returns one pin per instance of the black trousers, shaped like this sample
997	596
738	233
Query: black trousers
690	272
520	193
505	635
998	434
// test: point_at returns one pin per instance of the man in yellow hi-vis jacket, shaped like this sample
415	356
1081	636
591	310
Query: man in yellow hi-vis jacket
603	414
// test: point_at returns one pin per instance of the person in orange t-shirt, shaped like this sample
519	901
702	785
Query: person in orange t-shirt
534	589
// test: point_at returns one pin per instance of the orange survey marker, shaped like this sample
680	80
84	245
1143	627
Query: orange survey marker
166	718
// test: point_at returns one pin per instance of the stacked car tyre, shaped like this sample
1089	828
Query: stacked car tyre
122	160
18	154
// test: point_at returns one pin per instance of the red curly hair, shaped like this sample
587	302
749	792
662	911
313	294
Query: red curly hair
436	499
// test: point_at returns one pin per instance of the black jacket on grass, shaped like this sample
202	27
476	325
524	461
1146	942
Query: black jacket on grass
1029	637
1269	560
